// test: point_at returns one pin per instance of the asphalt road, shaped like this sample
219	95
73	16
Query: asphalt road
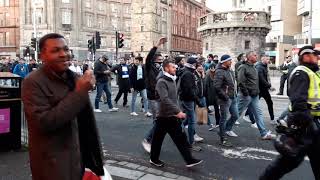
122	134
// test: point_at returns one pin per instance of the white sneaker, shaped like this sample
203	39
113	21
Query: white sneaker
186	126
269	136
148	114
134	114
113	109
254	126
231	134
246	118
237	123
97	110
273	122
197	138
146	145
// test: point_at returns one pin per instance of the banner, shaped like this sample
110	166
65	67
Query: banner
4	121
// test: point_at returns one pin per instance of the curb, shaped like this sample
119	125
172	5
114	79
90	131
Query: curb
279	97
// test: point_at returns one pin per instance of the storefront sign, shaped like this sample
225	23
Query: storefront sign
4	121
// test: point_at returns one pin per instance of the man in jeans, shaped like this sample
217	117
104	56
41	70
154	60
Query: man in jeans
169	118
101	72
138	85
248	81
188	96
153	67
225	85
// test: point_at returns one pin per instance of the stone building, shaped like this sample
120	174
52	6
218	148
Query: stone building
9	28
175	19
78	20
151	19
234	32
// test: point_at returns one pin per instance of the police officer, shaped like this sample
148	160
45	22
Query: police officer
302	137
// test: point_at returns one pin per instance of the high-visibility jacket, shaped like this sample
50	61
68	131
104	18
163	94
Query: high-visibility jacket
313	91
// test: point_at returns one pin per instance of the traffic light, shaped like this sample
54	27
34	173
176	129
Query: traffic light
119	39
98	40
34	42
90	45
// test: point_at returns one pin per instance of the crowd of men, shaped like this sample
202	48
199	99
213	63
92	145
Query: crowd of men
170	88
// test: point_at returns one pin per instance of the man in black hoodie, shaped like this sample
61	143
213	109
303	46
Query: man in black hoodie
187	90
153	67
169	118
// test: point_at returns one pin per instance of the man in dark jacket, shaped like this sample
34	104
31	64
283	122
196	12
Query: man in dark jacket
265	84
303	120
248	80
33	65
169	118
240	60
284	69
225	85
63	137
153	67
101	71
122	71
211	94
138	85
187	90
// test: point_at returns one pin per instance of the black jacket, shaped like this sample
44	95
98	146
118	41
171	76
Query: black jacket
137	84
209	89
264	84
200	85
99	68
248	79
188	88
225	83
124	83
31	66
151	75
236	68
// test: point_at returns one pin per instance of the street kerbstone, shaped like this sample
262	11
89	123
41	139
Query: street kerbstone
124	173
154	177
111	161
132	166
154	171
183	178
170	175
122	163
142	168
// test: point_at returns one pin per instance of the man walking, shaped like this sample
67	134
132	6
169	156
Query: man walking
169	118
248	81
284	68
152	68
63	136
225	85
101	71
21	69
138	85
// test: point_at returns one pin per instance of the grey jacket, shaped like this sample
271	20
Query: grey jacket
168	103
225	83
248	79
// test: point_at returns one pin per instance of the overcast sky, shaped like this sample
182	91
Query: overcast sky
218	5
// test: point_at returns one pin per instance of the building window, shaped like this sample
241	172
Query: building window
100	22
127	26
38	16
242	3
65	1
247	45
141	48
66	16
114	24
102	6
7	42
142	28
2	19
89	20
164	13
103	41
142	10
127	9
114	8
4	3
2	39
207	46
67	38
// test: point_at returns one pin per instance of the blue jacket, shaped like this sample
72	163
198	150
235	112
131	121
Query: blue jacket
21	70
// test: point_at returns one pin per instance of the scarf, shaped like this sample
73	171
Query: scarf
174	78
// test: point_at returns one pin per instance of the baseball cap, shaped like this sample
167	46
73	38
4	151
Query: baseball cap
308	50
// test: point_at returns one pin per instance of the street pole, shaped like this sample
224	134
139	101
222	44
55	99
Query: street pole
35	32
117	43
93	49
310	25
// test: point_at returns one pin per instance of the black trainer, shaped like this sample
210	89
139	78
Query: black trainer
157	163
194	162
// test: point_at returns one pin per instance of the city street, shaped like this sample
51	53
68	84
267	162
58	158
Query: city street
121	136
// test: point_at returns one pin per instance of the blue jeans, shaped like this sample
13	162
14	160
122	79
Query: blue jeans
252	102
143	94
203	103
230	106
189	108
250	114
100	88
154	108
